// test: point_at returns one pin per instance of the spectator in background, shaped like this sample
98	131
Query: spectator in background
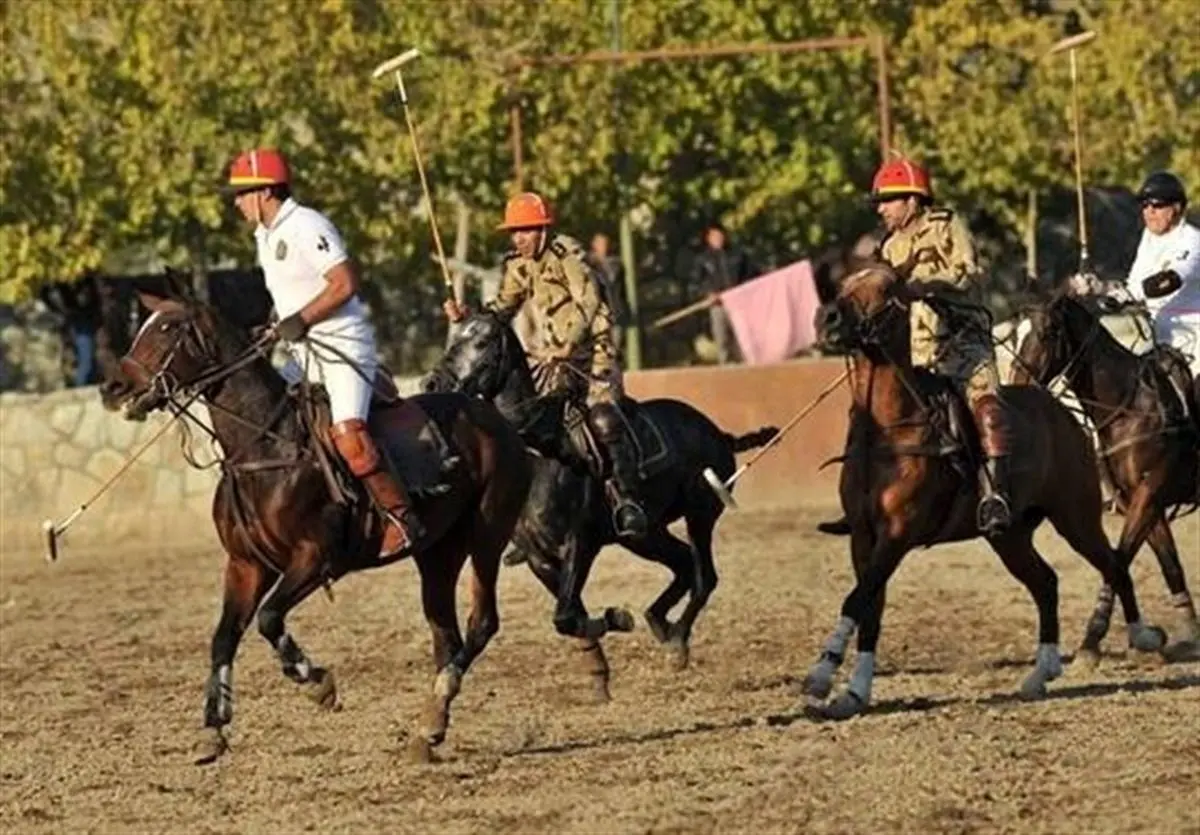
718	267
609	267
79	304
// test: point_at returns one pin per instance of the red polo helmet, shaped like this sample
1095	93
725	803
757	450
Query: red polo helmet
259	168
900	177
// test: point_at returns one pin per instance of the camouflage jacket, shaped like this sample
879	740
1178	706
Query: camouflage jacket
569	309
940	249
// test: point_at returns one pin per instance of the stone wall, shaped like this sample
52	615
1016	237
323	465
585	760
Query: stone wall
57	449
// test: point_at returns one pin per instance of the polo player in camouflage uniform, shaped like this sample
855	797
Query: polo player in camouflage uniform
573	350
937	250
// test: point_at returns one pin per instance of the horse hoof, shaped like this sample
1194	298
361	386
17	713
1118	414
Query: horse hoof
322	689
211	746
680	654
1148	639
1181	651
659	628
618	619
817	685
1033	688
847	704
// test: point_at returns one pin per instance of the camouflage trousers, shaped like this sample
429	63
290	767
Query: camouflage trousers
963	353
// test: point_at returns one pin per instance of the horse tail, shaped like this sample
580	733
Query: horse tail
751	440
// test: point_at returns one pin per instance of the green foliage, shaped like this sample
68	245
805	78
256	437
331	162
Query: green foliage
120	120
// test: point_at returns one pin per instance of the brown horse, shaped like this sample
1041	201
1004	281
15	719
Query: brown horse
1147	418
290	519
907	484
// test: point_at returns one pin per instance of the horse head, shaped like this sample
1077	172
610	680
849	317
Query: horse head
870	314
182	346
480	359
1063	324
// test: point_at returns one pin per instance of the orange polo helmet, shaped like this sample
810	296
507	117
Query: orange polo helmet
525	211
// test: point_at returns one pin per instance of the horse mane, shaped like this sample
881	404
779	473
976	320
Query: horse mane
869	269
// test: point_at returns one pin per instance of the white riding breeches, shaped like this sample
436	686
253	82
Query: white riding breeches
1180	329
348	386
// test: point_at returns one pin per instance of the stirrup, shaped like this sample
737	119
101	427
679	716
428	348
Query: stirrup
994	505
639	523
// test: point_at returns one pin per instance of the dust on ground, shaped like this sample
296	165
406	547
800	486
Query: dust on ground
104	655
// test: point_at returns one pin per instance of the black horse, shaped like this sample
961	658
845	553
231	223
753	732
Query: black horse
566	520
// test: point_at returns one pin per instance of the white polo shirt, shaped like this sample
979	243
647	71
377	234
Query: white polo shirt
1177	315
295	252
1178	250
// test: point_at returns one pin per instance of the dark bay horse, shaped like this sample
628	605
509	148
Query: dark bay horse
905	484
286	526
1147	418
566	521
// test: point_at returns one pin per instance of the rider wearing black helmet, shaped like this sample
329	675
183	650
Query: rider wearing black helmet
1166	270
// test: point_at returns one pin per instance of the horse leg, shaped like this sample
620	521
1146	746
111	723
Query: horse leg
704	570
595	663
246	581
1024	562
885	557
1162	541
857	694
1138	520
439	567
661	547
303	577
570	615
1082	530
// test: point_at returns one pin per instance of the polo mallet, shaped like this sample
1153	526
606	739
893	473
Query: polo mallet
54	531
394	65
723	488
1070	45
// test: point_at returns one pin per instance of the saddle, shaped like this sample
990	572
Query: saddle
410	441
653	451
1174	366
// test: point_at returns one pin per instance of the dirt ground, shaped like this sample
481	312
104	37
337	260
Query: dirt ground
103	658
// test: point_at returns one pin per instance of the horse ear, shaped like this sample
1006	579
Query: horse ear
178	286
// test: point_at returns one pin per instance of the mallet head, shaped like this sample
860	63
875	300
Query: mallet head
395	63
1072	42
719	487
51	540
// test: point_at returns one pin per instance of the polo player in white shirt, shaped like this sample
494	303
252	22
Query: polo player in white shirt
1166	271
314	286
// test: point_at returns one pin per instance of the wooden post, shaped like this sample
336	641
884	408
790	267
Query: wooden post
885	109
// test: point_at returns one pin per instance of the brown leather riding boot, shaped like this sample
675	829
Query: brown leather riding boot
353	442
994	514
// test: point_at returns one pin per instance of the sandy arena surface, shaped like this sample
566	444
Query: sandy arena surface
103	657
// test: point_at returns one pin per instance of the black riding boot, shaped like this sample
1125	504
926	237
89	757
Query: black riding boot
611	432
628	517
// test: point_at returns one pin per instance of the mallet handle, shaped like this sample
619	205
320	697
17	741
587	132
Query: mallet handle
788	426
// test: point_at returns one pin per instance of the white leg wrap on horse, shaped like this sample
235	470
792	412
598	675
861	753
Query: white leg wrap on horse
225	692
842	633
864	674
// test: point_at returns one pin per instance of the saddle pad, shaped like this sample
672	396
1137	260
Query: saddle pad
654	453
413	445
